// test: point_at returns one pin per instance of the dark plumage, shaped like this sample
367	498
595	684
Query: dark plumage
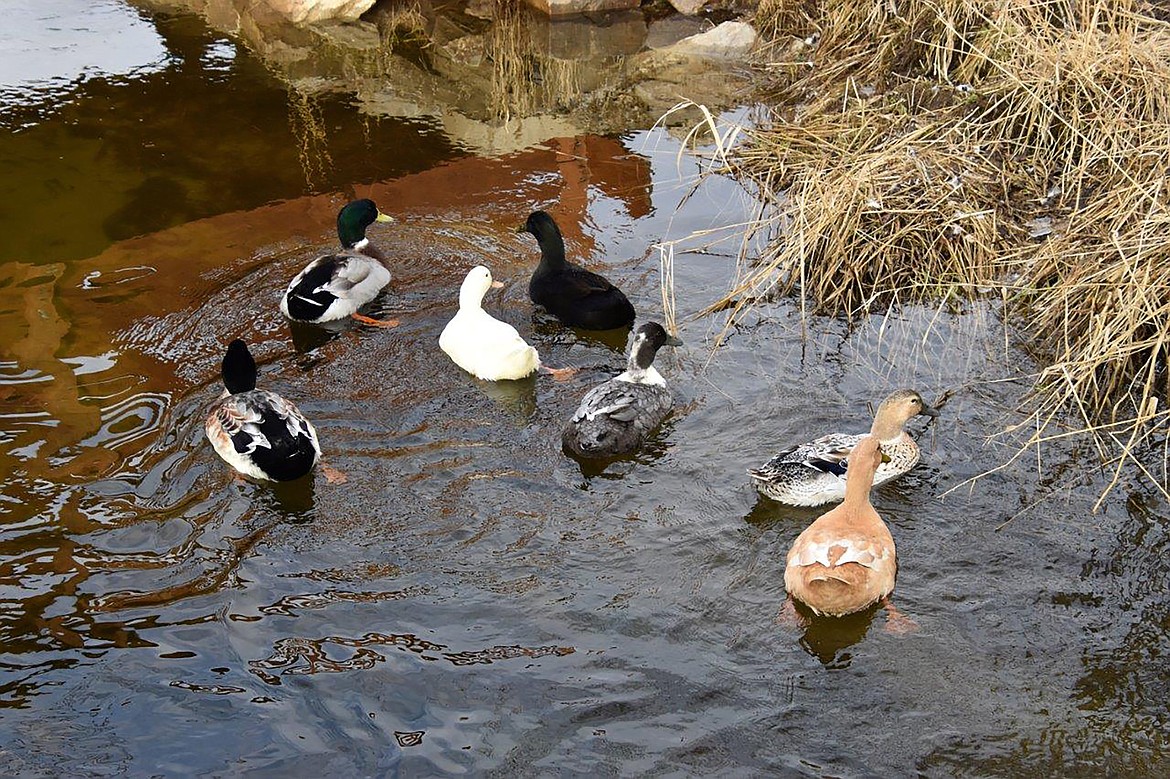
615	417
577	297
258	432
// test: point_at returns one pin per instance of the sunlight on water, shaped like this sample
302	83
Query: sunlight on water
52	45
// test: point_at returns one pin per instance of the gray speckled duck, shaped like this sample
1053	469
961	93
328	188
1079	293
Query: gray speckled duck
813	473
616	416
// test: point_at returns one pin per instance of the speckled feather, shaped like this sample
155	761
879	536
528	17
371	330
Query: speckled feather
616	416
813	473
263	435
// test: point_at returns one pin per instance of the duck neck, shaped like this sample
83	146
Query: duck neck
238	371
885	428
365	248
552	248
858	483
471	299
640	366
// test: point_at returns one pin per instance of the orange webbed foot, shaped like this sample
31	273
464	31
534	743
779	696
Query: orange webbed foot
897	623
333	476
369	320
559	374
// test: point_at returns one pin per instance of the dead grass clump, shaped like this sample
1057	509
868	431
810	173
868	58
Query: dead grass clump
917	146
874	213
875	43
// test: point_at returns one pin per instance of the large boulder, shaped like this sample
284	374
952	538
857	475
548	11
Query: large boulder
727	41
312	11
688	7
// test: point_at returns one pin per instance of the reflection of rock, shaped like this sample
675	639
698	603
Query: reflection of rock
671	30
580	38
560	7
312	11
494	84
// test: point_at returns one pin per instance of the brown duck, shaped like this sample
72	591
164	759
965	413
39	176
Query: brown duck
845	561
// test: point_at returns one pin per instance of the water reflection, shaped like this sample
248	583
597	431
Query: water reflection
517	398
116	158
826	639
306	656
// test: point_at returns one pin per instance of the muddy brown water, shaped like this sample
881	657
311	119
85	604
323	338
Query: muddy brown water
472	601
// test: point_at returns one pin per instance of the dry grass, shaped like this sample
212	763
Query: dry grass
525	79
959	147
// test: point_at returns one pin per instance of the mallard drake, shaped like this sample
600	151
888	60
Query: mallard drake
335	286
577	297
845	560
813	473
258	432
479	343
616	416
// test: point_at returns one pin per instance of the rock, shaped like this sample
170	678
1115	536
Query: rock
469	50
561	7
727	41
311	11
688	7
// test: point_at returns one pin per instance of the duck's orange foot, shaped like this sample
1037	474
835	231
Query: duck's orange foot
559	374
333	476
897	623
369	320
789	617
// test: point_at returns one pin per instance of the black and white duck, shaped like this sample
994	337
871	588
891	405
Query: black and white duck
577	297
615	417
335	286
258	432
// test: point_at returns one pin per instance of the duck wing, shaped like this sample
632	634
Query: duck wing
333	286
828	454
348	272
581	283
624	402
607	400
261	420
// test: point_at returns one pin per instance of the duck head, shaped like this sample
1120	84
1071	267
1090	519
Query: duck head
647	340
475	286
354	218
552	246
894	412
238	369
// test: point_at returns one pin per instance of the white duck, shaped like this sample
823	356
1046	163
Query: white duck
479	343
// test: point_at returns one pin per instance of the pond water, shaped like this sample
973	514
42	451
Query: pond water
472	601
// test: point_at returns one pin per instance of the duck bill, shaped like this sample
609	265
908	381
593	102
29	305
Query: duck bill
929	411
672	340
497	285
384	218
